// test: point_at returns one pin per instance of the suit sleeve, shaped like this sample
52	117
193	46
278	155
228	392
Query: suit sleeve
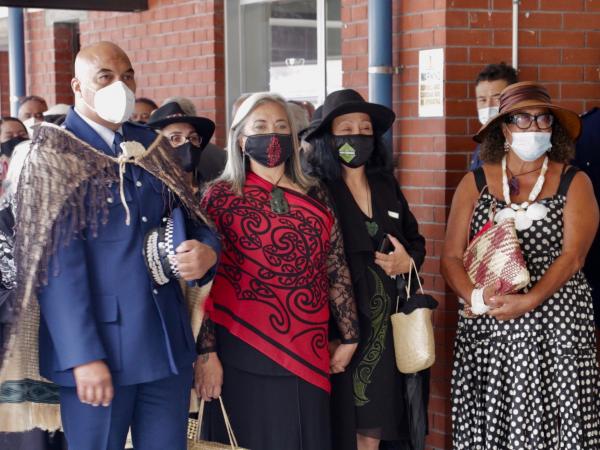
202	233
66	308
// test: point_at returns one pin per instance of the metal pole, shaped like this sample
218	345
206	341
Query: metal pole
515	34
380	55
322	47
16	57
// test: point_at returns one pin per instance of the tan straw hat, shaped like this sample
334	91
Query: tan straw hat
528	94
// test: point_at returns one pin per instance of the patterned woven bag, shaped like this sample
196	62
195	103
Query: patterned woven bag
494	255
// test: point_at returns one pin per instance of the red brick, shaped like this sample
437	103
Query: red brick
580	21
541	20
562	38
592	73
539	56
527	38
580	90
468	4
417	5
433	19
483	19
469	37
592	5
561	73
562	5
525	5
581	56
484	55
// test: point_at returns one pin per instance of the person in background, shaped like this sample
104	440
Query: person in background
12	133
213	158
306	106
299	116
32	107
56	114
188	135
143	109
488	85
587	158
525	373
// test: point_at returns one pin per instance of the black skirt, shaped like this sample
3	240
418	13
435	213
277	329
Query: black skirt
271	412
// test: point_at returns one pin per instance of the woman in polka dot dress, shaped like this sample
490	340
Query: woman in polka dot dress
525	372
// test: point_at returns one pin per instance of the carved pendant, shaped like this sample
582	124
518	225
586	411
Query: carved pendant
279	204
372	228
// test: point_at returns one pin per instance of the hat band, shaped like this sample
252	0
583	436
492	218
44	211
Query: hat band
529	93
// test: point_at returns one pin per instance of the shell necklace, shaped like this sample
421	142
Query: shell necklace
525	213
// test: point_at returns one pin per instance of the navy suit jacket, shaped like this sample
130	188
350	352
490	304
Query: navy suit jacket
103	305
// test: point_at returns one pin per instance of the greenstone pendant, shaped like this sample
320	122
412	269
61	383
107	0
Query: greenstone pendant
372	228
279	204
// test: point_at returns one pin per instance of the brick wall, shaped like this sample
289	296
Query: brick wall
176	48
559	46
49	56
4	85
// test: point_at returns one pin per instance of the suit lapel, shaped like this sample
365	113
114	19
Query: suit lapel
83	131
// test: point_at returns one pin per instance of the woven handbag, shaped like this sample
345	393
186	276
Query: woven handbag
195	428
494	257
414	343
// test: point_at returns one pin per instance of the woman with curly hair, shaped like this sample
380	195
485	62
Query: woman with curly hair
525	373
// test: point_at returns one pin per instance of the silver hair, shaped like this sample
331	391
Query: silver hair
184	103
234	173
299	116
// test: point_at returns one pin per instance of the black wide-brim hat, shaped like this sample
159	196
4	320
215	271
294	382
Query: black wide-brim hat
349	101
172	113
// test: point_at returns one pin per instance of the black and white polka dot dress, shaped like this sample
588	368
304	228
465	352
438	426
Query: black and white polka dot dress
532	382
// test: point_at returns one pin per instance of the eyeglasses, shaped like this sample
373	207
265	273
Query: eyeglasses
523	120
179	139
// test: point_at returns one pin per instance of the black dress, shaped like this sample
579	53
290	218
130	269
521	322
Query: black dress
369	398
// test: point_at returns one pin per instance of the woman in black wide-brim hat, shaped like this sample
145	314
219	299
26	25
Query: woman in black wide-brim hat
348	153
188	135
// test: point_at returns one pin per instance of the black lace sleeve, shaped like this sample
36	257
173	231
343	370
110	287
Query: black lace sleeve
207	339
341	295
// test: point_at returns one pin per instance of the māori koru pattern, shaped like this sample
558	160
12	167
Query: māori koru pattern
532	382
277	262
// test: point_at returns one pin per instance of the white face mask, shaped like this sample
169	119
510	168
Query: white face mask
531	145
114	103
485	114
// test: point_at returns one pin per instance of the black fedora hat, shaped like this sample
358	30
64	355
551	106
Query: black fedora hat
349	101
172	113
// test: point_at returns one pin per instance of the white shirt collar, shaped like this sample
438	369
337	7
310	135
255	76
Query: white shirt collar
106	134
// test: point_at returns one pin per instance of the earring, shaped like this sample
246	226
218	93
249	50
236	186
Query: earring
506	146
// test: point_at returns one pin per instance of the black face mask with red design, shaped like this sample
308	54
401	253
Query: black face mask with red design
269	150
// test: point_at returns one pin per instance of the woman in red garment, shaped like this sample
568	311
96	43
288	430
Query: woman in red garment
264	339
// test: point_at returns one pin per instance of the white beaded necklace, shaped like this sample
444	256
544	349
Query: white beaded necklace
525	213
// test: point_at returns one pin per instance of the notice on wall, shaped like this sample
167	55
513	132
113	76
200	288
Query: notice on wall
431	83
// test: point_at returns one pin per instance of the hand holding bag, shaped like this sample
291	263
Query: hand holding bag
412	327
195	428
494	258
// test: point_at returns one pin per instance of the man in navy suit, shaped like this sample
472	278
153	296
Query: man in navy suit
120	348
